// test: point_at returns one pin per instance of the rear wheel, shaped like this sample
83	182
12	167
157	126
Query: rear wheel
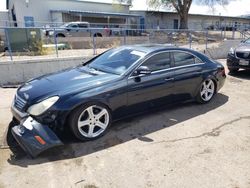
206	92
97	35
90	121
60	35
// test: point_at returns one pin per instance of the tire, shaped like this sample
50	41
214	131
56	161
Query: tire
90	121
233	70
97	35
206	91
60	35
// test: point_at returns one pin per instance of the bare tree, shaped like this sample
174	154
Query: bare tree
182	7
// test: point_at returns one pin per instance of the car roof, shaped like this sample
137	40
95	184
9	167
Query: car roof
150	49
153	48
78	22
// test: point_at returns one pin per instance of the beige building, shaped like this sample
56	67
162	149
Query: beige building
29	13
170	20
4	18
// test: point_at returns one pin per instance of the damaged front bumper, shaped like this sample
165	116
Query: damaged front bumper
32	136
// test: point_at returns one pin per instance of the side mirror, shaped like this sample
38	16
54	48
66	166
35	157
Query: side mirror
142	70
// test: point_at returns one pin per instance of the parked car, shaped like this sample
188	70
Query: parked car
210	27
228	28
75	29
239	57
118	83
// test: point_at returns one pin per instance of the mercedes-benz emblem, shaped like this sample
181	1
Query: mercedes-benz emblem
246	54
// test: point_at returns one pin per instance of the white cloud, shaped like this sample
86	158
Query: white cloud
234	8
2	5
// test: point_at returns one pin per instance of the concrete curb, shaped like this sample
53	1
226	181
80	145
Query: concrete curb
12	73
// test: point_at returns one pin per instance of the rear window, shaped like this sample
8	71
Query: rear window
182	58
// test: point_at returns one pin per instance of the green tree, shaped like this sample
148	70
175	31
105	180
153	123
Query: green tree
182	7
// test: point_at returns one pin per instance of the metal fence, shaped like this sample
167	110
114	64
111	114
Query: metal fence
39	42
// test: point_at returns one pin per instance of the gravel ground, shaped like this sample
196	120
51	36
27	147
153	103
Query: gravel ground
188	145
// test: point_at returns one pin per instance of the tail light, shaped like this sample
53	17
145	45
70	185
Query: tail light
221	71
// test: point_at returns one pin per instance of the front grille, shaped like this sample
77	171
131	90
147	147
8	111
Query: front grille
243	55
19	103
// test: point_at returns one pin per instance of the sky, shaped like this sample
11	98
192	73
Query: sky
235	8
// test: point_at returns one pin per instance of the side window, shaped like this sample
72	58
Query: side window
197	60
83	25
158	61
182	58
73	25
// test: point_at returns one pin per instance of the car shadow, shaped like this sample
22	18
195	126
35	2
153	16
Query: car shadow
121	131
242	74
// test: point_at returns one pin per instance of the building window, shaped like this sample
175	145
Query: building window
29	21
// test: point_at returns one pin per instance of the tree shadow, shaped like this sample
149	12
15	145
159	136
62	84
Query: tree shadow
122	131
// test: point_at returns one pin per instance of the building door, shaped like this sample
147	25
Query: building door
176	23
142	24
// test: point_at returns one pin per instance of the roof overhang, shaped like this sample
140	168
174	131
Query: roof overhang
190	14
94	13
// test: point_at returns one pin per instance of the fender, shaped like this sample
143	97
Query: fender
205	77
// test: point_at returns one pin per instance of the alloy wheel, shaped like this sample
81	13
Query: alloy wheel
207	90
93	121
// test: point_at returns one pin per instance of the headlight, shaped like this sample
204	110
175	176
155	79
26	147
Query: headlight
41	107
231	51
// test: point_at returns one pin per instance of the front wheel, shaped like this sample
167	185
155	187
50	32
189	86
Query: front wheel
90	121
206	92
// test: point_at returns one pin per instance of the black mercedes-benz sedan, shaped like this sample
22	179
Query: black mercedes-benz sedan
239	57
120	82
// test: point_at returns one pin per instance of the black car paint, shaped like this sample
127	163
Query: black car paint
122	94
26	138
233	60
233	63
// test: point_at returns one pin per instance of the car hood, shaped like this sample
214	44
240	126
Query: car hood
69	81
243	47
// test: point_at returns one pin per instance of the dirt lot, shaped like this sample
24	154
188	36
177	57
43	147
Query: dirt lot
189	145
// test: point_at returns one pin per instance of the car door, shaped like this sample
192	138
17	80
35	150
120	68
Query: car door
155	87
73	30
187	75
84	30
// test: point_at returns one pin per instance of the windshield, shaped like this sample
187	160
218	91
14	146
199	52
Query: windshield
116	61
64	25
247	41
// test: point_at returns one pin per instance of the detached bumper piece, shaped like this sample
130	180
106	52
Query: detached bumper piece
34	137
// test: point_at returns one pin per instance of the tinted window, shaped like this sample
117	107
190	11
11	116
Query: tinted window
197	60
182	58
158	62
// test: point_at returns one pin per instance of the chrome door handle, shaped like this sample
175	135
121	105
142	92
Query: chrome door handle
169	79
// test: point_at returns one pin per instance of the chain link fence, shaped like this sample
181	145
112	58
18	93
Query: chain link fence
55	42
